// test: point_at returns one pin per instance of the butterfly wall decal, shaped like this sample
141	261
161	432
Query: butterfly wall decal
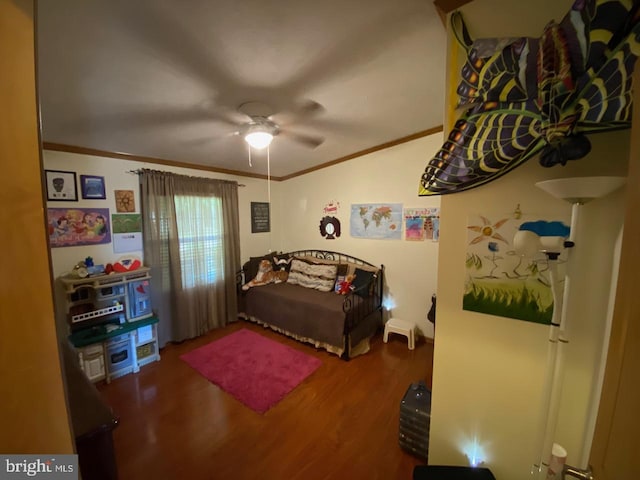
538	96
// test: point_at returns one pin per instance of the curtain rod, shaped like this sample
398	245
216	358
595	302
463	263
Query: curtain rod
139	171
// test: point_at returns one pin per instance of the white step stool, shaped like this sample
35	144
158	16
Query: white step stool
402	327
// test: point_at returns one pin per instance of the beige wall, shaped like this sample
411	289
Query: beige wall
488	371
390	176
33	417
117	178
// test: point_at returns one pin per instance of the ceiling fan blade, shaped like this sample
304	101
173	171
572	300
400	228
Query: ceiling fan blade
147	23
232	116
312	141
228	119
309	107
127	119
305	108
211	138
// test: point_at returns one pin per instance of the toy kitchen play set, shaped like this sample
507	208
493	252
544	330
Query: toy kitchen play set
113	328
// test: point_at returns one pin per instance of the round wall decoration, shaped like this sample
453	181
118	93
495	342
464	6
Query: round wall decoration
330	227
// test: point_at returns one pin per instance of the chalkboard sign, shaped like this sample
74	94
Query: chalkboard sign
260	217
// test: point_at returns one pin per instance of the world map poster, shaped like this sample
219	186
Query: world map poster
376	220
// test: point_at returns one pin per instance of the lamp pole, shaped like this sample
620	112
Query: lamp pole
577	191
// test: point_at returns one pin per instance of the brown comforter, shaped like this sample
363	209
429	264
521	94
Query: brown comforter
302	311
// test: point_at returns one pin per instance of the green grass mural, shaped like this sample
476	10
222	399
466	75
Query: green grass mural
508	300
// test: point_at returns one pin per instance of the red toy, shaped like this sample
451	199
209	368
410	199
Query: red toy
346	285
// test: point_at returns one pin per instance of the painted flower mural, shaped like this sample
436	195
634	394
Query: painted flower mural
501	281
488	230
494	249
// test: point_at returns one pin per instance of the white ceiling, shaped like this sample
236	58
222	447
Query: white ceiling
163	78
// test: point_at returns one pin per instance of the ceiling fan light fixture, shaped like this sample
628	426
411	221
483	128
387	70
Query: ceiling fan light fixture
258	138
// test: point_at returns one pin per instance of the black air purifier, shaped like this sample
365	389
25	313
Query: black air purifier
415	419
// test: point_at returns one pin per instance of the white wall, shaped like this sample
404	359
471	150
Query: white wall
389	176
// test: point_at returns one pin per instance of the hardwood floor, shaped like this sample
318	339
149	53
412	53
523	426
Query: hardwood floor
341	422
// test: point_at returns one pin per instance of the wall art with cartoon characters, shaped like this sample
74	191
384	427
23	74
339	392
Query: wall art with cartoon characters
70	227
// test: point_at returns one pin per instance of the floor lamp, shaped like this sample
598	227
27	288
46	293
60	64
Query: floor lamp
577	191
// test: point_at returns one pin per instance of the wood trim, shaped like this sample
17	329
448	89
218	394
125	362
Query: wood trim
449	5
444	7
367	151
626	309
60	147
442	15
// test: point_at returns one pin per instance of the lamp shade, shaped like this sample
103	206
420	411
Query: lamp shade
581	189
258	138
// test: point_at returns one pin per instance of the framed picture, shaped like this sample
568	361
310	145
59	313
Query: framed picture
92	187
70	227
125	201
260	221
61	186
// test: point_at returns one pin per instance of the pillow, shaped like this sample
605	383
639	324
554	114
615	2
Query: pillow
342	269
351	268
282	262
341	274
318	276
316	260
362	282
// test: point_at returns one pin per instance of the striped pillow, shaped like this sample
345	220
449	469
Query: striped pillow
318	276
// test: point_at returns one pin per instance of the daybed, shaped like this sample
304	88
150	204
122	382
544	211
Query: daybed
307	307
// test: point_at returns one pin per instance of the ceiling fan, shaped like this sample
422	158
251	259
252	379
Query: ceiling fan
259	126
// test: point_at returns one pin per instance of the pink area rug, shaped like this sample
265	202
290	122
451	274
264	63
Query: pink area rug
255	370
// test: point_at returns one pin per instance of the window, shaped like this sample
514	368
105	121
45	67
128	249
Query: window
199	221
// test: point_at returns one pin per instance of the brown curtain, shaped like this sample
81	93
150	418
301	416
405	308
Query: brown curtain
192	245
